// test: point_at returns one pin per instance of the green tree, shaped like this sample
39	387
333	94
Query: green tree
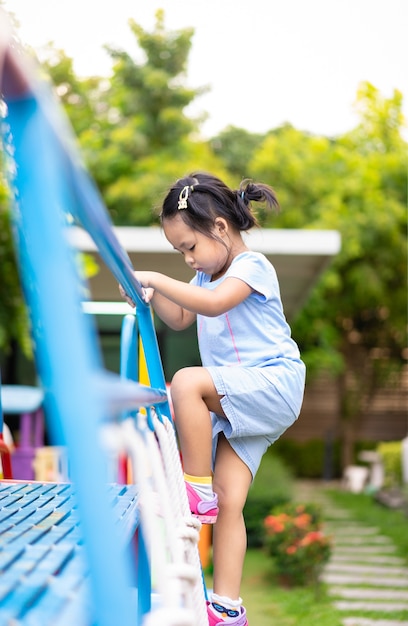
134	133
236	147
151	91
80	97
13	317
143	140
354	323
14	325
135	139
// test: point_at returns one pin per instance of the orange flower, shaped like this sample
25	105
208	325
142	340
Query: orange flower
314	536
296	543
275	523
303	520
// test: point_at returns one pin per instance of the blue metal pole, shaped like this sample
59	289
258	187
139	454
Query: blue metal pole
68	358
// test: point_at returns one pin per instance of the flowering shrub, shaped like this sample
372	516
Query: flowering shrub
295	541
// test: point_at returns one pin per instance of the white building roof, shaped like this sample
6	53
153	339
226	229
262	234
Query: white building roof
299	257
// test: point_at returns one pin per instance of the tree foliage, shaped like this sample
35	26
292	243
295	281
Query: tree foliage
135	135
236	147
79	97
354	323
136	138
13	316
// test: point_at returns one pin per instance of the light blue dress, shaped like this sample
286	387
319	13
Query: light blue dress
253	360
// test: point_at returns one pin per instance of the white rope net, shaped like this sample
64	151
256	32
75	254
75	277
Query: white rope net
170	532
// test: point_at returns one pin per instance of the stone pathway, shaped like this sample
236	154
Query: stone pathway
366	578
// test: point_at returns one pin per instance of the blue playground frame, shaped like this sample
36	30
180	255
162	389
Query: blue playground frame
50	186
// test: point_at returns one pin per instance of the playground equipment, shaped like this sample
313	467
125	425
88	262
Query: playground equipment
26	402
86	552
5	459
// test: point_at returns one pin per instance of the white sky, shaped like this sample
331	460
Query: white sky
266	61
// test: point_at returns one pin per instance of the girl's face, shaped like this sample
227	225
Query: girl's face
201	253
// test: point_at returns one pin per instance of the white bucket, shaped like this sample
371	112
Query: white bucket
355	478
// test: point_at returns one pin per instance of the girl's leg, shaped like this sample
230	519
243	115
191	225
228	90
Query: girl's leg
232	479
194	395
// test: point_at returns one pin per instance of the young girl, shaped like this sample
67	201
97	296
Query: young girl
249	389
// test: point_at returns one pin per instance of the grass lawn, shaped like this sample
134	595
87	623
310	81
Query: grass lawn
364	508
268	604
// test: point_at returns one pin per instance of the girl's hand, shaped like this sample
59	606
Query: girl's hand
145	279
148	292
126	297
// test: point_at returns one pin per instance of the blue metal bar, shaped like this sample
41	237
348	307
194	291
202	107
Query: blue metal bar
80	197
67	354
129	348
50	180
129	351
92	214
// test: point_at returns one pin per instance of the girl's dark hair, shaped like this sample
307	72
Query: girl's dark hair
207	198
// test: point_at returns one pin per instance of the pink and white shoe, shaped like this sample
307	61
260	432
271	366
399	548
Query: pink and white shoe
204	510
222	616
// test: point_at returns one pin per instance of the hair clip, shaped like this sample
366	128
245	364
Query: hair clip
183	197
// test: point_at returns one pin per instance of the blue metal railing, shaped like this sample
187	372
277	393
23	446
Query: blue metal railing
49	181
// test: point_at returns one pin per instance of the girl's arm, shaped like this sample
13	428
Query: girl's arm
177	302
172	314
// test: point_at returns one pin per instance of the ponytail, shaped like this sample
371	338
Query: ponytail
254	192
200	198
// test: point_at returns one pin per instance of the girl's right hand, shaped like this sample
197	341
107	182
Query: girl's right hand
148	293
126	297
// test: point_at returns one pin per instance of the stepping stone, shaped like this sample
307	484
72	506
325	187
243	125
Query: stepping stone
362	531
364	593
360	550
376	559
360	579
365	621
365	571
334	515
371	606
374	540
345	519
369	570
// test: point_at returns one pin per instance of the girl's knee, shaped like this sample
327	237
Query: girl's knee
229	500
191	379
180	378
230	509
180	383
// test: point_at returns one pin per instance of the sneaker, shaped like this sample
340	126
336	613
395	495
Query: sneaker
233	618
205	510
